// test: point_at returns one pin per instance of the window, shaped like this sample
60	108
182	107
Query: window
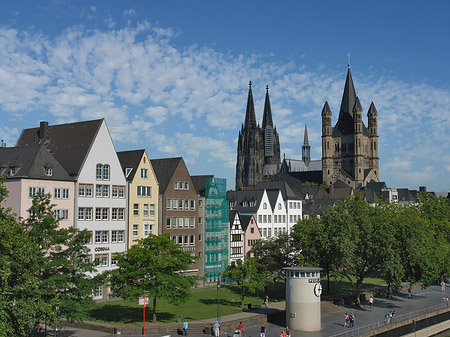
84	213
61	193
279	205
105	235
98	191
180	204
200	221
260	218
115	192
98	235
146	229
118	214
61	214
99	170
34	191
264	206
236	250
200	237
152	209
186	240
269	218
192	205
192	240
169	204
49	171
136	209
200	203
113	236
175	185
264	218
180	185
264	232
121	236
128	171
186	185
135	230
117	236
101	213
98	292
113	260
81	190
144	173
269	231
236	237
106	172
252	230
101	260
144	191
105	192
180	222
186	204
102	172
145	210
192	222
168	222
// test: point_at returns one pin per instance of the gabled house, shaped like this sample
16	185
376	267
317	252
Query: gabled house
244	232
31	170
178	209
87	153
142	194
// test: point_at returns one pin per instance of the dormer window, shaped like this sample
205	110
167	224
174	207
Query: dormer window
49	171
128	171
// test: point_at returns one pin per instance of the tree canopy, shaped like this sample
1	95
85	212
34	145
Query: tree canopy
153	267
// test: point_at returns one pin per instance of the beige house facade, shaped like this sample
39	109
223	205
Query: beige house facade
142	192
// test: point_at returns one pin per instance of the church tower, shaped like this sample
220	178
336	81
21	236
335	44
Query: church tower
350	149
306	148
258	151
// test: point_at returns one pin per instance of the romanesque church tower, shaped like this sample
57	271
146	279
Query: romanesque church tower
258	151
350	149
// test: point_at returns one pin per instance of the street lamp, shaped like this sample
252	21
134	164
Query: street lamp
57	320
218	300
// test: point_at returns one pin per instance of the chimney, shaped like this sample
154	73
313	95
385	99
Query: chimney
422	188
43	130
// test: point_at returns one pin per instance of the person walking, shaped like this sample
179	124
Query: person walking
352	320
288	331
346	320
283	333
443	285
240	328
185	327
266	301
371	302
263	330
389	317
216	329
409	292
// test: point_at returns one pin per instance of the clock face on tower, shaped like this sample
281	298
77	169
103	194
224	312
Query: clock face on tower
317	289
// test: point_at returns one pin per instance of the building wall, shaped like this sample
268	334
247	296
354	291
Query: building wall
168	213
252	235
20	201
113	233
236	246
143	219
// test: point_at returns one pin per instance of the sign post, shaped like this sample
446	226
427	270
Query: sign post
143	301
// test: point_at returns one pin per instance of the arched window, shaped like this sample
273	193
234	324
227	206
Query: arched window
106	172
264	206
99	174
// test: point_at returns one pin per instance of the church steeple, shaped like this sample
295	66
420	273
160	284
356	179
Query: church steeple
267	116
345	120
250	118
306	148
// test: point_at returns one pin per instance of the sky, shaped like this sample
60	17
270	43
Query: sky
172	77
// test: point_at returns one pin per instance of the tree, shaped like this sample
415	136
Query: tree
355	239
246	276
65	273
153	268
19	284
274	254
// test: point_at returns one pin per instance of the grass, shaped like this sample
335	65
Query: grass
203	303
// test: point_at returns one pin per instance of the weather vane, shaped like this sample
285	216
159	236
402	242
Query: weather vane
348	56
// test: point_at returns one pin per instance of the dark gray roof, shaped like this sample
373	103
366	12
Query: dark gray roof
130	159
405	195
200	183
247	196
231	216
281	185
369	195
273	196
164	170
68	142
311	176
31	162
376	186
245	221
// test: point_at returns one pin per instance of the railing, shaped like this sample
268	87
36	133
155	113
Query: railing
388	321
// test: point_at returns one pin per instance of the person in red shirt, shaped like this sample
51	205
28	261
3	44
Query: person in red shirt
241	329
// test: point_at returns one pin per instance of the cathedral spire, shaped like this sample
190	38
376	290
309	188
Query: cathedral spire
267	116
306	148
250	118
349	96
305	136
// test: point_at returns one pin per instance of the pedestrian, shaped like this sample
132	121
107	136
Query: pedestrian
263	330
266	301
288	331
443	285
185	327
371	302
352	320
283	333
409	292
216	329
346	320
389	317
240	328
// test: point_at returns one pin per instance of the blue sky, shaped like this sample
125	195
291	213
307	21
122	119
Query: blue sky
172	76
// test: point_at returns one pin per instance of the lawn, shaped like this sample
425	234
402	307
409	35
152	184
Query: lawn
203	303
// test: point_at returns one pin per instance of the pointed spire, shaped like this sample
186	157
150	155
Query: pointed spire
267	116
305	136
326	109
372	110
250	118
357	106
349	96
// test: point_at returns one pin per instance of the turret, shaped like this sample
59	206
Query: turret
327	159
267	127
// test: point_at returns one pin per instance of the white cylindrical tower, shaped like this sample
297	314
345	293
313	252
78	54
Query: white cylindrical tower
303	290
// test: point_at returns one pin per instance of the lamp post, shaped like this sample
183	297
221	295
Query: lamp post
218	300
57	320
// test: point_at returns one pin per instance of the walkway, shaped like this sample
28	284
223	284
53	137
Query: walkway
332	316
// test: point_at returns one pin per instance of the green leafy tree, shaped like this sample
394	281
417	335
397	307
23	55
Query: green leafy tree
153	268
64	272
274	254
19	283
356	240
246	276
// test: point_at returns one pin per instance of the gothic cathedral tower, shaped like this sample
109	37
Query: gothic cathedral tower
258	151
350	149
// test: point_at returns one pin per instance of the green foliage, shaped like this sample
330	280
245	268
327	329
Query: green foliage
274	254
245	275
153	267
